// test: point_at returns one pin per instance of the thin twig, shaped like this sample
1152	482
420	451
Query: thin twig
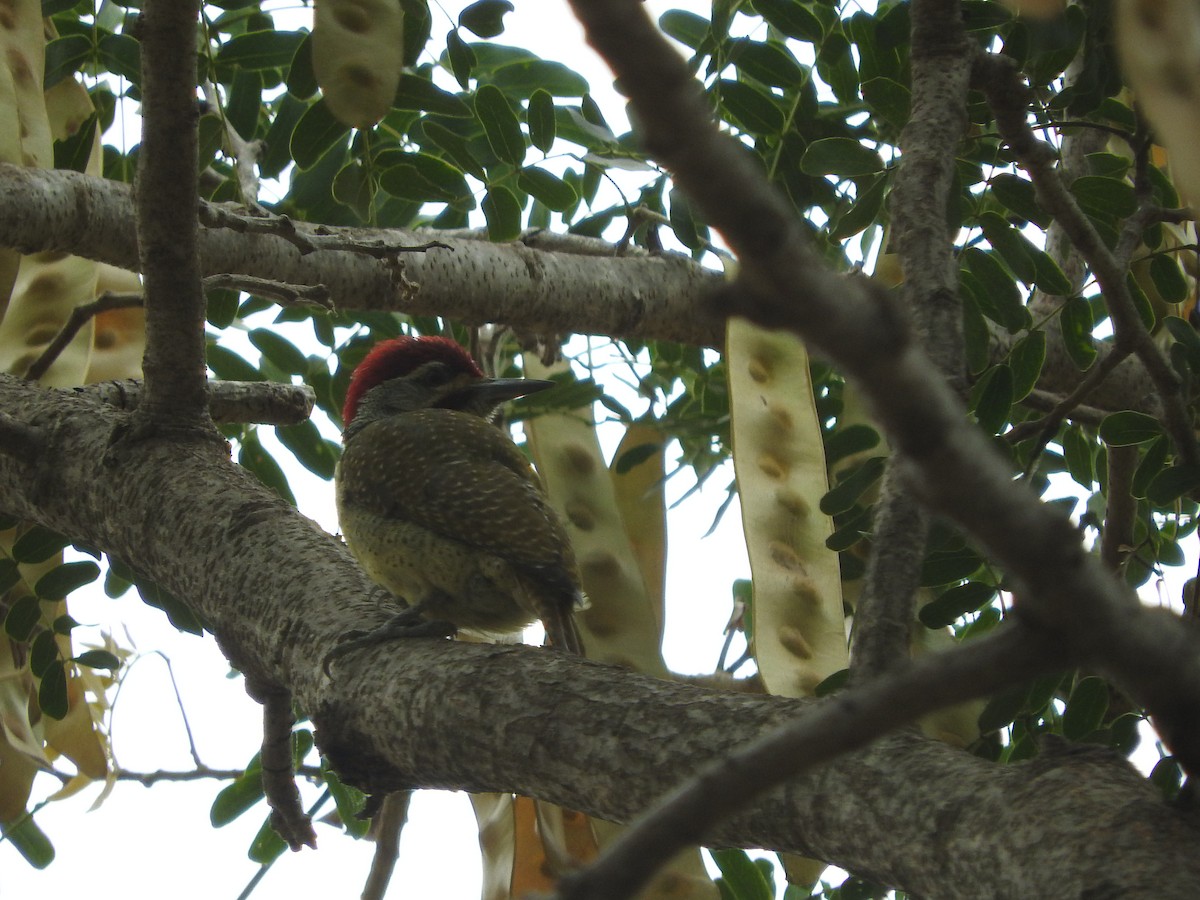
280	291
79	317
311	240
388	826
1047	426
1117	537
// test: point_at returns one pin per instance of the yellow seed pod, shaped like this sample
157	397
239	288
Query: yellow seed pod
1160	59
799	630
120	334
358	50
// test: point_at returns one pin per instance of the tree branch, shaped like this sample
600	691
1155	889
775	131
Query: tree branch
278	592
1000	80
949	464
845	723
174	368
941	72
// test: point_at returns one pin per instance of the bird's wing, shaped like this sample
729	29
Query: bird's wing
460	477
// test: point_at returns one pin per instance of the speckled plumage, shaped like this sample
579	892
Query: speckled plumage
442	509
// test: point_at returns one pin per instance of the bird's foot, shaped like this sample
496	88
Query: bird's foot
407	624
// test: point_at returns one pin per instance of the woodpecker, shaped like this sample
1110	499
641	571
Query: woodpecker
440	507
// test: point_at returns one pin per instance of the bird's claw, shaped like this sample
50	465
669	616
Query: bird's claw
407	624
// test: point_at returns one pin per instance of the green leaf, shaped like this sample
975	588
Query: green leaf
317	132
551	190
503	214
418	93
500	125
1077	324
1003	708
267	846
62	580
847	491
1171	484
520	79
30	841
261	49
792	18
177	612
1107	197
540	118
228	366
742	877
462	58
889	100
1125	428
349	802
65	56
1141	302
1085	708
418	24
9	575
52	691
419	176
279	350
1168	279
301	79
485	17
843	157
949	566
857	438
1049	278
99	659
770	63
955	603
1026	360
1010	244
835	64
455	147
121	55
686	27
864	211
1153	461
245	102
316	453
37	545
1079	453
751	108
1019	196
998	296
992	398
23	616
691	233
236	798
256	459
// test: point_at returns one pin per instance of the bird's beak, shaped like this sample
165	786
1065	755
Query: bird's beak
493	391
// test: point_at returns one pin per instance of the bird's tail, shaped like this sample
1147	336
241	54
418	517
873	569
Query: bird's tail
559	619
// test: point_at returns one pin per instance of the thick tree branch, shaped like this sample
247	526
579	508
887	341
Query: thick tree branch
557	290
839	726
941	67
950	464
174	367
262	402
277	591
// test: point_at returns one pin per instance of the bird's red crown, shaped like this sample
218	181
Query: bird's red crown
399	357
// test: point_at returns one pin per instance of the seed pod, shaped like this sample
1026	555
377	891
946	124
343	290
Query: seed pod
358	49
